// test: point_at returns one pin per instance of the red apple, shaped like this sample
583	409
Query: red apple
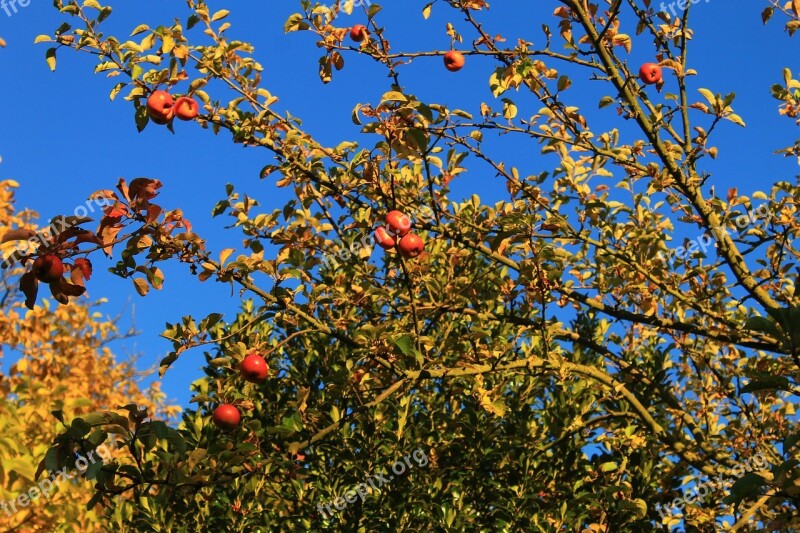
411	245
186	108
160	107
650	73
398	223
384	238
453	60
226	416
254	368
358	33
48	268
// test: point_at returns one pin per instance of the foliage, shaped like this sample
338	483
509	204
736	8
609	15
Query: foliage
62	365
560	361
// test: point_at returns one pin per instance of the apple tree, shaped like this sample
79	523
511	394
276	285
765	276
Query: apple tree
583	354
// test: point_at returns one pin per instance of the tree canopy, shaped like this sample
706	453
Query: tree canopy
612	346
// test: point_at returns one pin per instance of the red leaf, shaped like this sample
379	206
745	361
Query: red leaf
144	188
81	270
152	213
118	210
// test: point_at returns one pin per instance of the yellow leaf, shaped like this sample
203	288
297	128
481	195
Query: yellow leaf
736	119
141	286
624	41
708	95
225	254
50	56
219	15
509	109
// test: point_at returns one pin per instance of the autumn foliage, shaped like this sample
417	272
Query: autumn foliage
577	356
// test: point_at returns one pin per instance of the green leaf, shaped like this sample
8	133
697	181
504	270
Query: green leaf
405	344
767	383
762	324
295	22
745	487
606	101
166	363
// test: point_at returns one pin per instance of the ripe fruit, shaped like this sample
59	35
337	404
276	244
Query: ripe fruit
398	223
650	73
411	245
48	268
358	33
453	60
186	108
226	416
160	107
254	368
384	238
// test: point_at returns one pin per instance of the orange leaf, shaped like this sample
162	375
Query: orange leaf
108	235
18	235
122	187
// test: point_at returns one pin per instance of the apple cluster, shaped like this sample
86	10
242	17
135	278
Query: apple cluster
397	232
49	268
162	108
254	369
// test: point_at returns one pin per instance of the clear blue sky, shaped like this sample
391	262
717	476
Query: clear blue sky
62	138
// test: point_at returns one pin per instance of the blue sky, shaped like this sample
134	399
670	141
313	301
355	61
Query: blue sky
62	138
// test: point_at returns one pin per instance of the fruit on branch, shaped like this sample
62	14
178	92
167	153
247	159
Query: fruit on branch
453	60
226	416
411	245
358	33
398	223
650	73
48	268
384	238
254	368
160	107
186	108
